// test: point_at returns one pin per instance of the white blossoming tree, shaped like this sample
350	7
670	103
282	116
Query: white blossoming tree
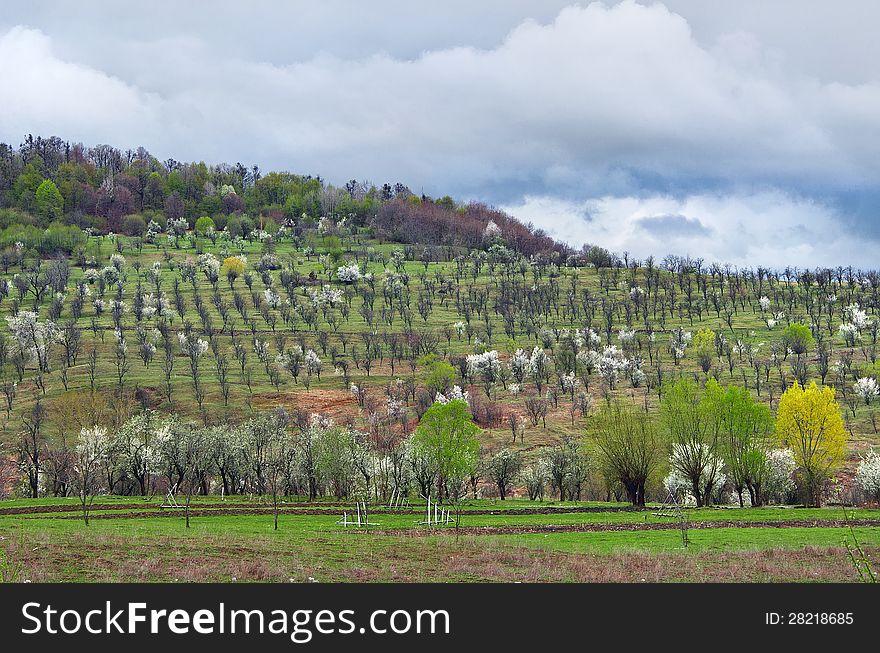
486	367
92	447
33	337
868	476
349	273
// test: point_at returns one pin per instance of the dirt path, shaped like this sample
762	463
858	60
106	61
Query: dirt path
303	508
98	507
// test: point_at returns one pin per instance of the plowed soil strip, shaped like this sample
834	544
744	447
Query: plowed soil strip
287	510
300	508
97	507
634	526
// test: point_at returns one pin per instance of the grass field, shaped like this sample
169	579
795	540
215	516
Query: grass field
130	539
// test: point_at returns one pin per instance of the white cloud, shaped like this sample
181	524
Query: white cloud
597	96
42	94
768	228
597	101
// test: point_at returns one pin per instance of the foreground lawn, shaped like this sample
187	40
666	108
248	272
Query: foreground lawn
144	546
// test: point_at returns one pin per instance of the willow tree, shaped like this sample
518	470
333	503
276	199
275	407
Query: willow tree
745	426
629	447
447	438
692	422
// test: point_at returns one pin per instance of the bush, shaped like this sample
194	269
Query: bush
204	225
133	225
9	217
56	238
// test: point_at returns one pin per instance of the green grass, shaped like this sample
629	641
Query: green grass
715	540
220	547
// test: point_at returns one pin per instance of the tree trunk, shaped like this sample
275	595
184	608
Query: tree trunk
698	496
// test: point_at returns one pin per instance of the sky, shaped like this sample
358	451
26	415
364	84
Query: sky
743	133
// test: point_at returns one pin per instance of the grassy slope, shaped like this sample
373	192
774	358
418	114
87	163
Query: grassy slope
329	394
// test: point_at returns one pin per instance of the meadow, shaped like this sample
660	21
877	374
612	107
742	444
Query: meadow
136	540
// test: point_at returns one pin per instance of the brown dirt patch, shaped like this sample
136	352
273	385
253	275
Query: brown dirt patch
338	404
8	476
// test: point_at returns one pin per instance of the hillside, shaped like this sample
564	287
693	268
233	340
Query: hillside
216	294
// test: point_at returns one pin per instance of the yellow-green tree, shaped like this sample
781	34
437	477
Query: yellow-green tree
234	267
48	200
809	422
704	347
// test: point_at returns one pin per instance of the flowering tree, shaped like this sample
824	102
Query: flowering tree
92	448
210	267
135	442
868	476
779	485
194	348
503	469
486	367
679	343
313	364
610	363
536	480
33	337
808	421
454	394
519	364
565	465
866	389
539	367
349	273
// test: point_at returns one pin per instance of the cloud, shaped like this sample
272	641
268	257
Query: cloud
672	226
599	100
770	228
557	104
42	94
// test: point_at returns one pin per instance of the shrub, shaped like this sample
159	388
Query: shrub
204	225
133	225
